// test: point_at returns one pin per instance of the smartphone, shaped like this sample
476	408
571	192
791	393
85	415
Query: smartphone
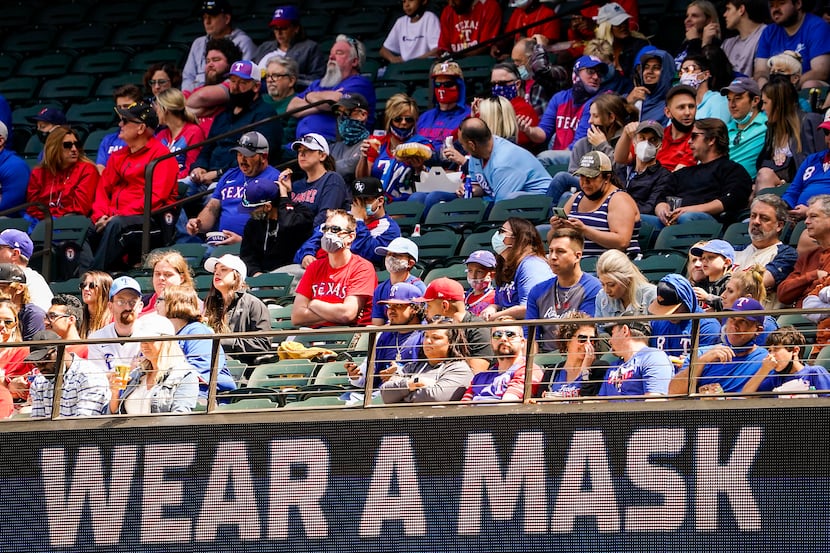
560	212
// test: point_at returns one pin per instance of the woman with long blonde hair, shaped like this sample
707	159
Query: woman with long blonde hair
181	129
625	290
95	295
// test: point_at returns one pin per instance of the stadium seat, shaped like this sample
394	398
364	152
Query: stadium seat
202	284
140	62
823	358
101	63
481	240
317	401
7	65
219	251
589	264
316	25
332	373
270	286
457	271
142	35
436	244
457	214
19	89
801	323
95	114
20	114
656	266
280	316
15	223
777	190
795	234
423	97
192	253
335	341
33	147
60	14
33	40
68	88
533	207
361	25
70	287
122	14
47	65
407	214
90	38
246	404
681	237
413	73
107	85
646	236
737	234
286	376
93	141
169	11
185	33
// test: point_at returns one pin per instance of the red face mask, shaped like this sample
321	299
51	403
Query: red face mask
447	95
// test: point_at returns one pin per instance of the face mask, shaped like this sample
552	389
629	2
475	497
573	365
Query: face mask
691	80
680	126
645	151
745	119
498	243
400	133
331	242
596	195
259	215
396	265
42	135
524	74
242	99
447	95
370	211
478	284
351	131
508	92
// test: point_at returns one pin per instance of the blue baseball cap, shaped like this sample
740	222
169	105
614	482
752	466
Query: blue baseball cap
246	69
258	192
124	283
589	62
285	15
483	258
402	292
720	247
748	304
49	115
17	240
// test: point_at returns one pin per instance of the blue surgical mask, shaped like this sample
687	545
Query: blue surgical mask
498	243
508	92
524	74
745	119
370	211
401	134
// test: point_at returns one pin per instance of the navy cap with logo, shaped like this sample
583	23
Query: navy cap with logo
667	301
39	352
49	115
367	187
258	192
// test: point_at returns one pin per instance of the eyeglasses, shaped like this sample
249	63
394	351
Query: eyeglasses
54	316
441	319
126	121
334	229
509	334
445	84
696	134
85	285
69	144
275	76
154	82
9	323
690	69
125	303
584	338
403	118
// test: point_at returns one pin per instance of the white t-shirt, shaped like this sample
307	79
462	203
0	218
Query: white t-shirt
104	357
39	291
411	40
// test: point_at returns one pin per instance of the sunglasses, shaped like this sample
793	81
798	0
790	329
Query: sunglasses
334	229
85	285
154	82
509	334
307	139
696	134
126	121
9	323
584	338
69	144
445	84
55	316
441	319
403	118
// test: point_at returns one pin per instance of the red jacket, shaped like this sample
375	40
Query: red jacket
70	191
121	188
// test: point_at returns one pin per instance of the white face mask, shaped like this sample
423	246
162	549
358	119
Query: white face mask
331	242
396	265
479	284
692	80
645	151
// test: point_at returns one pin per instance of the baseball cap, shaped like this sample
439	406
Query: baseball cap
352	100
826	123
641	326
258	192
483	258
246	69
367	187
740	85
399	245
18	240
284	15
651	125
139	112
748	304
312	141
680	89
588	62
152	324
443	288
667	300
38	352
720	247
9	272
49	115
251	143
215	7
402	292
124	283
611	13
447	69
593	164
230	261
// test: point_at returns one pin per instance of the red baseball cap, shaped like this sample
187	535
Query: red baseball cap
443	289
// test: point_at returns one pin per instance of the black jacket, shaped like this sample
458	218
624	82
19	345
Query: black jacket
268	244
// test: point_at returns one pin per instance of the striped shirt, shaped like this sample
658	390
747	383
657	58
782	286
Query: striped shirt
598	219
85	392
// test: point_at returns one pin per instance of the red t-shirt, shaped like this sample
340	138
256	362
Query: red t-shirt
356	278
520	17
462	31
675	152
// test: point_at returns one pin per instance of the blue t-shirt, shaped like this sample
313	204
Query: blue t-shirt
327	192
532	270
547	300
397	347
648	371
325	123
810	180
198	354
510	171
811	40
230	190
734	375
382	293
675	337
713	105
109	144
815	376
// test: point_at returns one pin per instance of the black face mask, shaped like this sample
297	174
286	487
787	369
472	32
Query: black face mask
596	195
42	135
242	99
680	126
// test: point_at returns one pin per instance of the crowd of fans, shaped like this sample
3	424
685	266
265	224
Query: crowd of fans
637	137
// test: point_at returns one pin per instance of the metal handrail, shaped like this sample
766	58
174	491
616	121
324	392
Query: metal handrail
151	166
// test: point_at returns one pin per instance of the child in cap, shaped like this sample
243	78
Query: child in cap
481	268
717	258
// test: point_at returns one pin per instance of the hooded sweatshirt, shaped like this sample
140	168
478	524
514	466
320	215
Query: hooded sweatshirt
435	125
675	337
654	105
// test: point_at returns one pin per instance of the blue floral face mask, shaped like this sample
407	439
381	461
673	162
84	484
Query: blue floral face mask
351	131
508	91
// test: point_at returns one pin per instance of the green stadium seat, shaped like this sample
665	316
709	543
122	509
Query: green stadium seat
361	25
801	323
284	376
95	114
280	316
413	72
457	272
681	237
317	401
170	11
20	114
777	190
202	284
219	251
32	41
533	207
332	373
47	65
60	14
406	213
185	33
247	404
66	287
93	141
140	62
795	234
480	240
457	214
101	63
16	16
106	86
316	25
737	234
436	244
335	341
142	35
8	64
17	224
270	286
122	14
68	88
192	253
33	147
423	98
90	37
655	267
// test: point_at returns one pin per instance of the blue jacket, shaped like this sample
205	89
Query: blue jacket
14	179
675	337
